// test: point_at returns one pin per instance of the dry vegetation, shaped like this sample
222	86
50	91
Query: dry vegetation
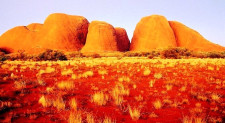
108	90
166	53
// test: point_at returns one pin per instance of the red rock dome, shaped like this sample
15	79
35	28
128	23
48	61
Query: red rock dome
17	39
35	27
101	38
122	39
191	39
152	32
59	31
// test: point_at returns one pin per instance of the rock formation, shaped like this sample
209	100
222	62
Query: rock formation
17	39
152	32
63	32
35	27
73	33
191	39
101	37
59	31
123	41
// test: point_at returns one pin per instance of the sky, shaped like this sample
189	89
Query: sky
205	16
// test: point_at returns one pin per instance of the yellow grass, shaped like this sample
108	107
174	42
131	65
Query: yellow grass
59	103
41	82
4	66
75	117
151	83
138	98
124	79
66	72
210	68
158	75
102	72
74	76
100	98
135	113
108	120
191	119
49	70
88	74
118	92
66	85
183	88
19	84
215	97
44	102
146	72
49	89
90	118
169	87
157	104
73	104
153	115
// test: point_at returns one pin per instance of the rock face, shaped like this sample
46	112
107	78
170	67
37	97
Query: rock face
152	32
35	27
101	38
16	39
73	33
64	32
59	31
123	41
155	31
191	39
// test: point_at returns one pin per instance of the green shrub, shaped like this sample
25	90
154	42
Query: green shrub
52	55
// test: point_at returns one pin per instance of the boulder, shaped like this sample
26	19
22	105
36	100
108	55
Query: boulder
191	39
152	32
101	37
123	41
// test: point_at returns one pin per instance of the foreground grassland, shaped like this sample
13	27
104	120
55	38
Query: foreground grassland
108	89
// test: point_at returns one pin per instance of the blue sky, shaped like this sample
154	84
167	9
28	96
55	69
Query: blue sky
205	16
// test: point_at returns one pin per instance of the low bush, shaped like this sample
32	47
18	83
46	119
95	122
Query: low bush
51	55
215	55
136	54
21	55
75	54
2	56
175	53
153	54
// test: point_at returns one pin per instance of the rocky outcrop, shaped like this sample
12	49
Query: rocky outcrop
35	27
59	31
63	32
191	39
17	39
101	38
123	41
152	32
73	33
